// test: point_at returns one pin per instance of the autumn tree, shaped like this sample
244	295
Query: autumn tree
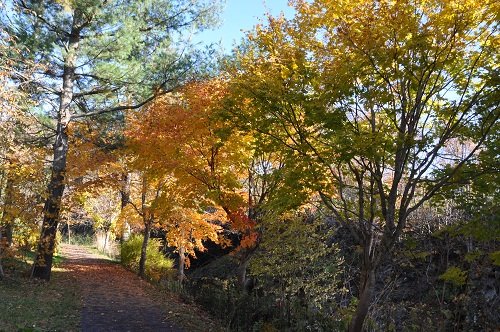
103	206
99	57
365	96
188	223
168	129
93	175
22	140
203	151
145	203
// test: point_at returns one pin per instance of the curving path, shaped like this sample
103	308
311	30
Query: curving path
113	298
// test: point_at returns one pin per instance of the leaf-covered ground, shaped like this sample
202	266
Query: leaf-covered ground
115	299
89	292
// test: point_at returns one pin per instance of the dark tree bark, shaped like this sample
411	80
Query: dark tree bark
182	264
366	291
43	262
142	260
125	190
125	199
7	217
69	232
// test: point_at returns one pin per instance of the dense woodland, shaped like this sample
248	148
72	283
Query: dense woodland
338	171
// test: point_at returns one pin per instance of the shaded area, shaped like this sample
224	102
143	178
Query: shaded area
33	305
113	298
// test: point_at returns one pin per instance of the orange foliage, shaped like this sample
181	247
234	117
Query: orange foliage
180	135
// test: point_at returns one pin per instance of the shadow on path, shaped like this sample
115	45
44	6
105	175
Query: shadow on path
113	298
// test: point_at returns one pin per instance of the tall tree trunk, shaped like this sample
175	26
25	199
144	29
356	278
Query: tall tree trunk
182	264
51	212
366	290
43	262
142	260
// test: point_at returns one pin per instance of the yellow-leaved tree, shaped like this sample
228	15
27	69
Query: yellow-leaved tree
364	96
22	151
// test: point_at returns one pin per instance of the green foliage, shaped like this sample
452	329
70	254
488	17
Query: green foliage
473	255
495	257
255	312
127	46
80	239
157	265
294	252
454	275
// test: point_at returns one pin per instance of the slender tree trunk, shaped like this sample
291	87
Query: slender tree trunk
125	198
69	233
242	271
366	290
182	264
9	232
7	217
105	242
142	261
125	190
245	254
51	212
2	275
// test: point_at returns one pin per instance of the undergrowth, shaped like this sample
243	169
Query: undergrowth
157	265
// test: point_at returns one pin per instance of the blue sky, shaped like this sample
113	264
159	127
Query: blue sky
241	15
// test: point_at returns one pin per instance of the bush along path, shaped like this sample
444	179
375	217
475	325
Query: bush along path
115	299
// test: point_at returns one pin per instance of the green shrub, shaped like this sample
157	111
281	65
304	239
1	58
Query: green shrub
454	275
157	265
495	257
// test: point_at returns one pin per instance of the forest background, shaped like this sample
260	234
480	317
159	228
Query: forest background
339	170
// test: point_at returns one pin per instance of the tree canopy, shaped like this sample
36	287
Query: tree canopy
353	140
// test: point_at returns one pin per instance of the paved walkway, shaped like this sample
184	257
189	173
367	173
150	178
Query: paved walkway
114	299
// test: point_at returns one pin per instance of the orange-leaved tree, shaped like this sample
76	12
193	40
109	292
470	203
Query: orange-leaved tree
181	135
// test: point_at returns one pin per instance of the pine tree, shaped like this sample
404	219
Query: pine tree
99	58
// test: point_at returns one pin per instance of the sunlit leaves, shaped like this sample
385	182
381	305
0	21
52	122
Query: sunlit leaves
294	251
367	87
180	141
103	207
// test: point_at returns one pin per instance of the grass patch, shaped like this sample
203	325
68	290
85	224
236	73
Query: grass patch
79	239
34	305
